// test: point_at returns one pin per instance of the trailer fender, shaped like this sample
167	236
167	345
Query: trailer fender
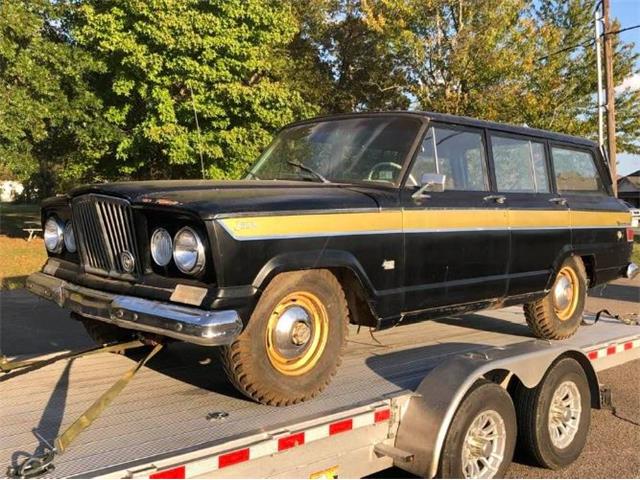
425	423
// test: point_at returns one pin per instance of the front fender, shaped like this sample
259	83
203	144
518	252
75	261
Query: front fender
305	260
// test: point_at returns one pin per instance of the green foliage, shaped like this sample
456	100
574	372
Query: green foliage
94	90
51	131
164	58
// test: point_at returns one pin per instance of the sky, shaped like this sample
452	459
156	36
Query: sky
628	12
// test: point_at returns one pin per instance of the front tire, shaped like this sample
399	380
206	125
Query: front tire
554	417
558	315
294	340
482	436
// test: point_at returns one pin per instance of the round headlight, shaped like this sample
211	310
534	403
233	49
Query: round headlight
69	238
161	247
53	235
188	251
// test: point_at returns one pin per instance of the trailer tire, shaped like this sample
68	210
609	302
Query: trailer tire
534	407
104	333
294	340
461	449
558	314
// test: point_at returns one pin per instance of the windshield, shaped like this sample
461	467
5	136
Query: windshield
363	149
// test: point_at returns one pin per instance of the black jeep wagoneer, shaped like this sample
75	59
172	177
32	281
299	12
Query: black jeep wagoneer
373	219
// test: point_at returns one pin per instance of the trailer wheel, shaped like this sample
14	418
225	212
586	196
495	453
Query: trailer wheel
482	436
294	340
554	417
559	313
104	333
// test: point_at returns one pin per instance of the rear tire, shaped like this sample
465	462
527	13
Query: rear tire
293	343
484	426
558	315
536	410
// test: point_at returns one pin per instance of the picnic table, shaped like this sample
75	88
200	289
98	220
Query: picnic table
32	228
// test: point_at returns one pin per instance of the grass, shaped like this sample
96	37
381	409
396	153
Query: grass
18	258
635	255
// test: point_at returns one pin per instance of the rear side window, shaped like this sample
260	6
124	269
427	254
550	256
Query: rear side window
520	165
576	171
456	153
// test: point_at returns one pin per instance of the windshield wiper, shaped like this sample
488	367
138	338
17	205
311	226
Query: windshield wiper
302	166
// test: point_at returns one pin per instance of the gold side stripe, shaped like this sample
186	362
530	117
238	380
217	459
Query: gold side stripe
395	221
301	225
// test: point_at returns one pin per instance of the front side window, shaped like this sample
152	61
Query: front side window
456	153
364	149
520	165
576	171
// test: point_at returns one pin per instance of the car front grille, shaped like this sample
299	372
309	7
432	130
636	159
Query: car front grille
104	231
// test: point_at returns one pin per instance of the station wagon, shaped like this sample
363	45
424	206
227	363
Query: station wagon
375	219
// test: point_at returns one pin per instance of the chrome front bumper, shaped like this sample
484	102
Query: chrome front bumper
189	324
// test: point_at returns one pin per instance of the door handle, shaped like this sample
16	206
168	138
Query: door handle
495	198
558	201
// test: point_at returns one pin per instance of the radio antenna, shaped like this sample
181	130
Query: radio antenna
195	114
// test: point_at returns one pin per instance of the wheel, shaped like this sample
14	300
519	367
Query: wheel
559	314
293	342
554	417
104	333
482	435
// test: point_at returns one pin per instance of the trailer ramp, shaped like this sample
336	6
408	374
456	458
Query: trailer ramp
181	402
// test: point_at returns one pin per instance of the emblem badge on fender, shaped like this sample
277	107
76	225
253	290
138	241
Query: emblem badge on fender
389	264
128	261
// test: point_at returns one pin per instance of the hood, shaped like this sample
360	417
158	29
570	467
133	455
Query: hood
209	198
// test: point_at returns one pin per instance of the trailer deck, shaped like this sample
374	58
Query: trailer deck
173	405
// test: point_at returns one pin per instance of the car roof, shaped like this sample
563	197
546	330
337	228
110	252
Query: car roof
461	120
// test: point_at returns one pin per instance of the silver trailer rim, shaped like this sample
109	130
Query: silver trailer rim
484	445
564	414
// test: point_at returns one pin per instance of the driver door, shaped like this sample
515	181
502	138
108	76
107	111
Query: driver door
457	240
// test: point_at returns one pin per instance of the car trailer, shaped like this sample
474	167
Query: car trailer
442	398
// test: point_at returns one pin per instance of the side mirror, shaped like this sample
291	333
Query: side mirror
431	182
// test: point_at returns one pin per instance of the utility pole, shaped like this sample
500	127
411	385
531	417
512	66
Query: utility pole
611	108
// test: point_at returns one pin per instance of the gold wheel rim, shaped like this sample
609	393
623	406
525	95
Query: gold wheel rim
297	333
567	281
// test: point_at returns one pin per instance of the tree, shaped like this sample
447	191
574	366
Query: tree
51	131
501	60
163	59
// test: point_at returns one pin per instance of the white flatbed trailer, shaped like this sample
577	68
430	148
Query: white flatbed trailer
179	418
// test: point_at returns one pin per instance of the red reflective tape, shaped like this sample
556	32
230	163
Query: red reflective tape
178	472
593	355
291	441
630	234
341	426
611	350
232	458
628	345
382	415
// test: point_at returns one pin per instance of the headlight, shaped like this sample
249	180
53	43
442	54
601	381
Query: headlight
53	235
161	247
188	251
69	237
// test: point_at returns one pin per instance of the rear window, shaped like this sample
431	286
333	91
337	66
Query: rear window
576	171
520	165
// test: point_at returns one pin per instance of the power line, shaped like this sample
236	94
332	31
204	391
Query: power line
587	43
